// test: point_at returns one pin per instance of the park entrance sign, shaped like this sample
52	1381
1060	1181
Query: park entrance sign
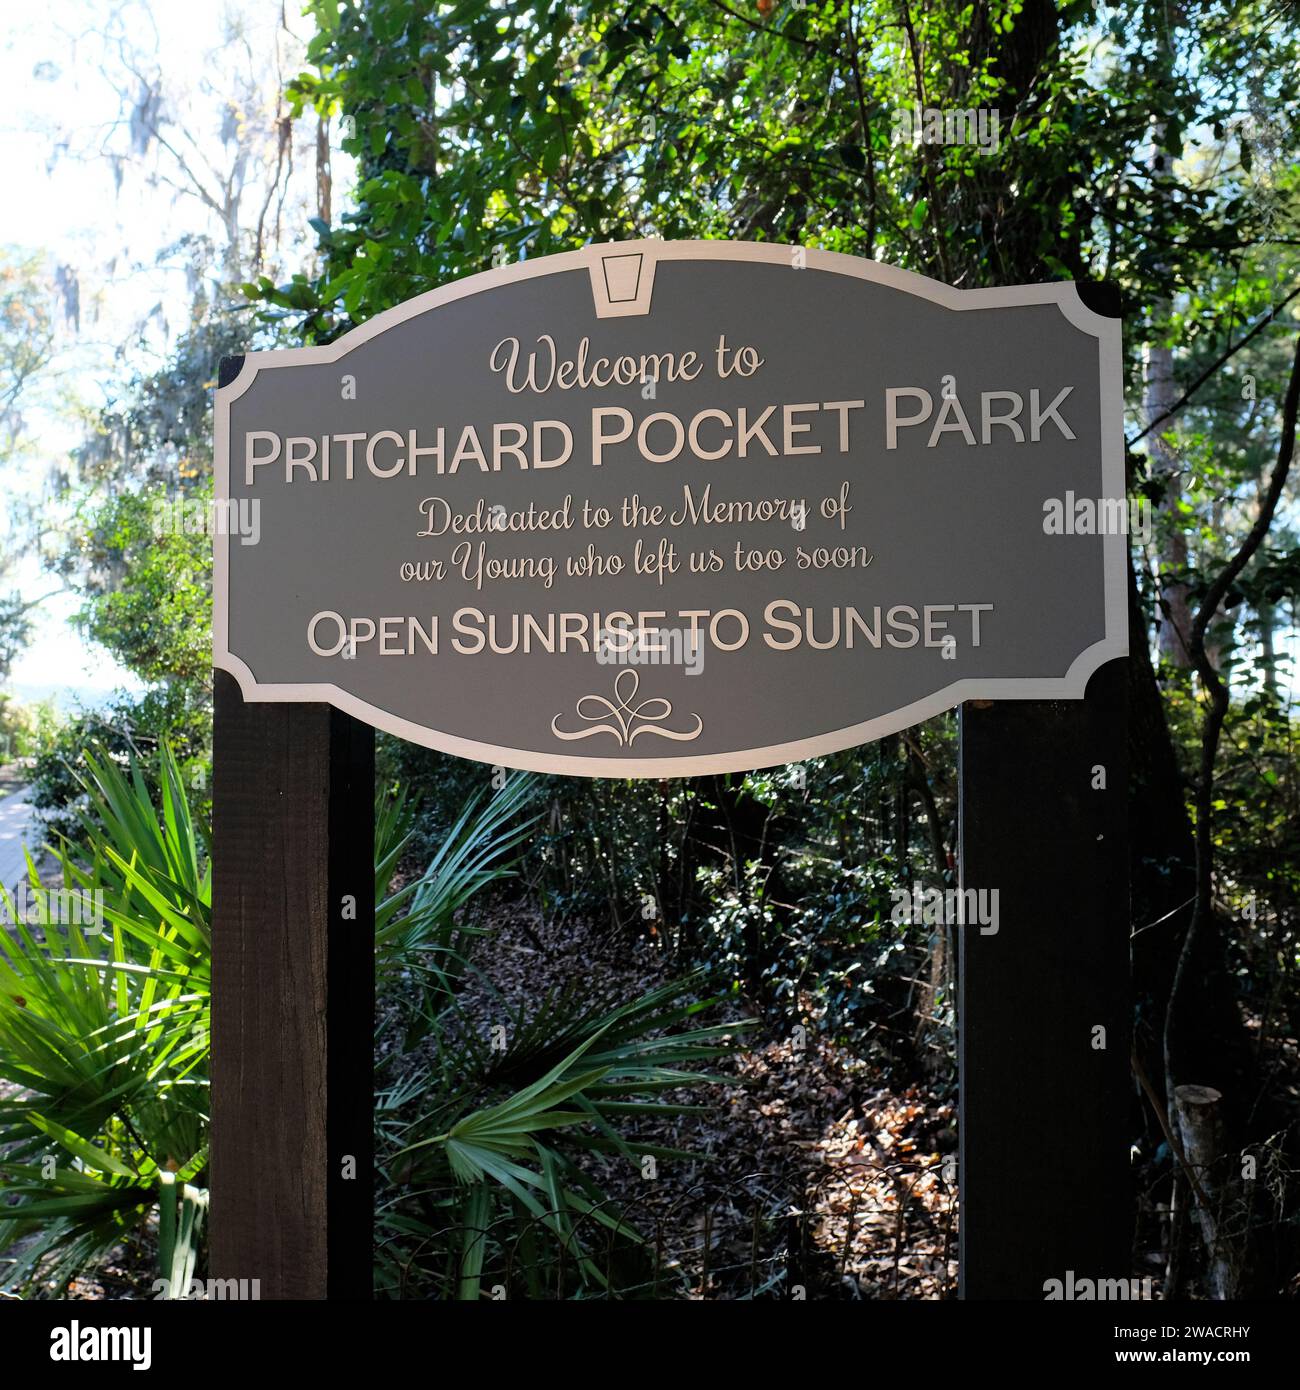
660	509
666	509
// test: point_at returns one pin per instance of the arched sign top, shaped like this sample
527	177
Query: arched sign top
667	508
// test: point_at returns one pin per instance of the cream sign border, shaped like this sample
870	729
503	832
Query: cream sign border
615	269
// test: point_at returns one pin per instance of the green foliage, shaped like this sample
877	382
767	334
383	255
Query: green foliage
775	887
1257	844
145	583
498	128
127	727
159	624
104	1030
23	727
416	926
479	1146
182	1212
104	1040
483	1145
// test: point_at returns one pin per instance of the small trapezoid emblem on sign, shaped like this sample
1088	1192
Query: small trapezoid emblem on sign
621	282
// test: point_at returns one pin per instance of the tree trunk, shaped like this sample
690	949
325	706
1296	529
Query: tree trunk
1199	1115
1175	625
324	179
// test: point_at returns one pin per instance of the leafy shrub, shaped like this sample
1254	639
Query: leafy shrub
478	1146
776	882
127	728
104	1035
481	1145
105	1032
416	926
23	727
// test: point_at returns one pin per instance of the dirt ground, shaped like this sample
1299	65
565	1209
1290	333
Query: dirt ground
810	1167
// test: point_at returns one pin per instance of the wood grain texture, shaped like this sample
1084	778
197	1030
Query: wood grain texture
293	997
1044	1169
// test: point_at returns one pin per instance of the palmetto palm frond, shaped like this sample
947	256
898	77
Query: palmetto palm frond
104	1027
493	1153
416	925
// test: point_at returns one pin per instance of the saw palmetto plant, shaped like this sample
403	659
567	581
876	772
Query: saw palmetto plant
484	1148
417	926
104	1032
104	1063
480	1136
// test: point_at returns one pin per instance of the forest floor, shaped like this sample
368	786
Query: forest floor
808	1168
812	1169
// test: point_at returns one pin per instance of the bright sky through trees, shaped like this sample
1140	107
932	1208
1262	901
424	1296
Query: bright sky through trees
112	222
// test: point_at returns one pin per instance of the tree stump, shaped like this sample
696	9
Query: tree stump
1198	1112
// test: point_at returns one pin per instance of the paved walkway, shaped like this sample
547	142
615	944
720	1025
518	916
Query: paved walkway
17	828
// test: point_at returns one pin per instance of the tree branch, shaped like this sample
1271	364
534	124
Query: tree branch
1218	693
1210	370
778	33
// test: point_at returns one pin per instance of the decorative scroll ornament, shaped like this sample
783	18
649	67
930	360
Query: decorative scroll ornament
625	715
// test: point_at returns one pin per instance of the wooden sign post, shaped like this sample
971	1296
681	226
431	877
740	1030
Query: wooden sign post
665	509
1044	1004
293	994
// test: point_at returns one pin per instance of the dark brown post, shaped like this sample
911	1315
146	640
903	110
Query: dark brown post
1045	1004
1043	1170
292	995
